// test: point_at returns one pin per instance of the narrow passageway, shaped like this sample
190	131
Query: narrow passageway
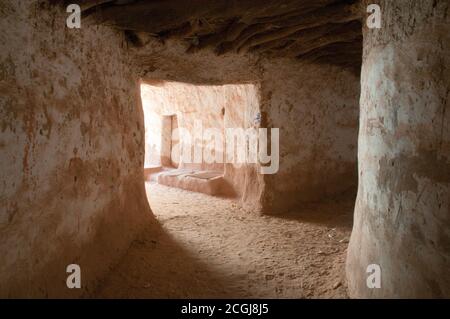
209	247
215	148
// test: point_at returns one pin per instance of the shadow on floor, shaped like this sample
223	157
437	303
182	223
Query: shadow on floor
335	213
170	271
207	247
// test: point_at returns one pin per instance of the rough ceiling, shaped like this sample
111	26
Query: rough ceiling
315	30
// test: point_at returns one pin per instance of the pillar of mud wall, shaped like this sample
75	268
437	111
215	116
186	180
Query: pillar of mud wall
316	109
71	151
168	137
402	220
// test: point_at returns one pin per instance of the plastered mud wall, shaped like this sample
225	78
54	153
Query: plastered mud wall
402	215
315	107
71	151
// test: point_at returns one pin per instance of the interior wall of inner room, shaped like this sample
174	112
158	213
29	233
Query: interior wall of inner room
198	106
160	137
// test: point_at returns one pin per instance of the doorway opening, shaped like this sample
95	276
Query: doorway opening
186	129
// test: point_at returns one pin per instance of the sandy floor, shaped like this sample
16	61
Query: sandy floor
208	247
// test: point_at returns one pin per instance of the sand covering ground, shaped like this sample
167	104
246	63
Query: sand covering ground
209	247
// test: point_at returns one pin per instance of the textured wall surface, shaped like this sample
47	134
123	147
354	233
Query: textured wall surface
402	216
71	151
316	109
